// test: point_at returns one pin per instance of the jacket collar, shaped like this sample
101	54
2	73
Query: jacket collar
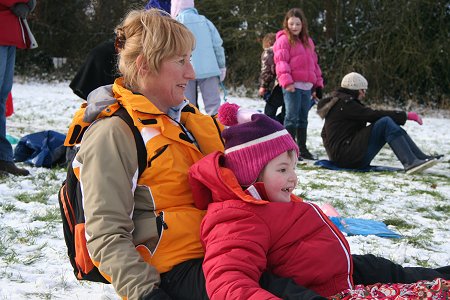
140	103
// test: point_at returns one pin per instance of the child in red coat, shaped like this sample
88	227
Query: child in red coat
254	224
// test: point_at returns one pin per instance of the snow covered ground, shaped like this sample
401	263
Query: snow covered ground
33	261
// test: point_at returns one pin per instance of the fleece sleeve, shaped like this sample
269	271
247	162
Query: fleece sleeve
236	243
356	111
217	42
108	172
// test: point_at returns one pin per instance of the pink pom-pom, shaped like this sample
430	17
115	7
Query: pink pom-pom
227	114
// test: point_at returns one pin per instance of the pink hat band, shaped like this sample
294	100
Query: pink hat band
248	159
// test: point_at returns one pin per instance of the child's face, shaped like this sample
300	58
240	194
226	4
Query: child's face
279	177
294	25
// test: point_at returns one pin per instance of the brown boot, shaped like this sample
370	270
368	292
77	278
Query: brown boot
11	168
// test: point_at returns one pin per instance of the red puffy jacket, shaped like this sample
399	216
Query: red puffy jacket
12	30
245	237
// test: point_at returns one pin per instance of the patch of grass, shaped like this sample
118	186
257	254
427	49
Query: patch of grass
443	208
51	215
423	209
306	167
31	259
398	223
46	296
425	263
29	237
303	195
317	186
11	257
434	194
41	197
8	207
339	205
421	240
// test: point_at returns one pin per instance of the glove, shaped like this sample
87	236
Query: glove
223	73
413	116
31	5
319	93
156	294
21	10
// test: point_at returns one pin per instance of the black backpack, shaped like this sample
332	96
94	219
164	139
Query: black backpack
72	212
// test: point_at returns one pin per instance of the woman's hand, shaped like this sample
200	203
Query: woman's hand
413	116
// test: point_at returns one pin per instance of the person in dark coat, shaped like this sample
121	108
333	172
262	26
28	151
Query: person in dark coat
350	143
100	66
98	69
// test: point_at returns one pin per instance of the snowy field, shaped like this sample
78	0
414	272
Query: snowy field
33	261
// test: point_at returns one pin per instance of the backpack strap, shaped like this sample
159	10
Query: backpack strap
140	145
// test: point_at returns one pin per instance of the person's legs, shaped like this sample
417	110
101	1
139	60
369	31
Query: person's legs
270	110
369	269
292	105
186	281
209	88
305	100
191	92
302	125
286	288
274	101
7	60
416	150
383	131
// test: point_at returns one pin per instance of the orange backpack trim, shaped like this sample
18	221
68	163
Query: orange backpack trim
70	201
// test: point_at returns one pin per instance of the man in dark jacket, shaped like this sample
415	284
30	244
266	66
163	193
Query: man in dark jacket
350	143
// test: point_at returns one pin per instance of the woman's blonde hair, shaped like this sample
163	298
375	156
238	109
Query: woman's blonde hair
152	34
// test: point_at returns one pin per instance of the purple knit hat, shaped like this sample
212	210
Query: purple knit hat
251	142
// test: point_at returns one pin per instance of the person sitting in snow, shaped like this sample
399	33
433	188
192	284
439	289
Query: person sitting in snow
350	143
255	223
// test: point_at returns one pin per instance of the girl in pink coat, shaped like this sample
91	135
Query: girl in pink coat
298	73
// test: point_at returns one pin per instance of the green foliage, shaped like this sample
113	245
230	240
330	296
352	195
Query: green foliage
401	46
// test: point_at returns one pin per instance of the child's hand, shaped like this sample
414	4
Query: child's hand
290	88
261	91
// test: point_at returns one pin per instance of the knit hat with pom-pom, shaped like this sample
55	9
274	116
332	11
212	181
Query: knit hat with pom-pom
251	141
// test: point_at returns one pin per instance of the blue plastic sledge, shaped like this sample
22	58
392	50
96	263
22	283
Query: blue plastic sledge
365	227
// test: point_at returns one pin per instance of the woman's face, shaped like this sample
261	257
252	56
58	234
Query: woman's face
294	25
362	94
165	89
279	177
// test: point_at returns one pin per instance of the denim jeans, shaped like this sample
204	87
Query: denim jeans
7	60
383	131
297	108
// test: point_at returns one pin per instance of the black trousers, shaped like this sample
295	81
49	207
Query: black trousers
274	101
370	269
186	281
